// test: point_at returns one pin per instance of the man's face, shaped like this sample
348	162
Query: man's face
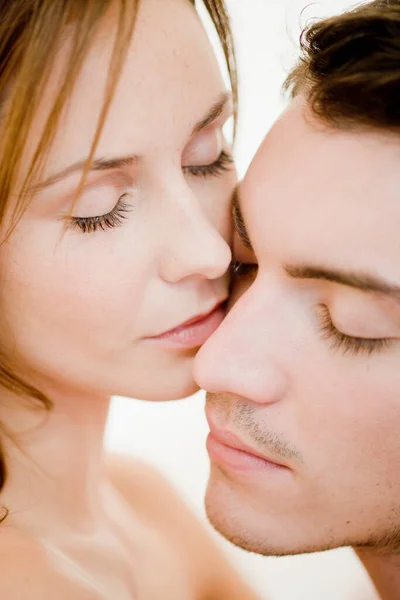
305	370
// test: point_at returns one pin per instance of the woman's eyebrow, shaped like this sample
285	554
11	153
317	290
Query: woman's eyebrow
99	164
215	111
118	162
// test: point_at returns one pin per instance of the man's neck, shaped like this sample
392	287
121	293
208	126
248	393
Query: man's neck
384	572
55	469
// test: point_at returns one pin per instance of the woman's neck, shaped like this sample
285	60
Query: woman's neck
56	478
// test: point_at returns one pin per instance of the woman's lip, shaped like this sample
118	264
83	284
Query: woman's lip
194	320
194	332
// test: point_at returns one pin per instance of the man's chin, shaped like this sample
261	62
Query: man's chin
234	517
234	534
235	521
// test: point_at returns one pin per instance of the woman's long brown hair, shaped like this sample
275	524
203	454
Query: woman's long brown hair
30	34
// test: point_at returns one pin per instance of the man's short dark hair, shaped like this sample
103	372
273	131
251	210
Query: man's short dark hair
349	68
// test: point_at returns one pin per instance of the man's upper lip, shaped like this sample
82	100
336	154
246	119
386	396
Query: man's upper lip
193	320
229	439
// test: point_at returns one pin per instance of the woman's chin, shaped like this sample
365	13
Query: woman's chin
162	389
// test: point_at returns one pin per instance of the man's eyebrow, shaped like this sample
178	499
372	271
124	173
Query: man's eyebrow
99	164
215	111
362	281
238	221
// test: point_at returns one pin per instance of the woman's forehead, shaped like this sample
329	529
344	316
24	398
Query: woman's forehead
169	57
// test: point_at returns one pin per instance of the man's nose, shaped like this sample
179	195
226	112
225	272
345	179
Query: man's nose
241	358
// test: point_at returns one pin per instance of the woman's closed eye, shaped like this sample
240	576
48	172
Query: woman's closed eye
114	218
346	343
117	216
223	163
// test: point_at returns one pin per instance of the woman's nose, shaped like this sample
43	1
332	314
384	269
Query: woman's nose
195	248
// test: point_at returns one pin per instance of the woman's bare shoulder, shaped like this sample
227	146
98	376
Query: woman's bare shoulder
155	500
27	572
142	485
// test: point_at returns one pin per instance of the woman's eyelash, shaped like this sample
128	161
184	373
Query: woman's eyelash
346	343
221	165
115	218
118	214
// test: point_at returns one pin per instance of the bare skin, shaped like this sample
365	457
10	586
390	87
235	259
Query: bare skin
384	571
304	371
83	310
83	526
152	546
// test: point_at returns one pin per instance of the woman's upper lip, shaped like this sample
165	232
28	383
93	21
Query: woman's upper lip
229	439
193	320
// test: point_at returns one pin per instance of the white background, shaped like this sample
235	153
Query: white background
172	435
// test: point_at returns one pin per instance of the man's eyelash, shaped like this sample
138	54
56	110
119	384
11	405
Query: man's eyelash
346	343
241	269
115	218
221	165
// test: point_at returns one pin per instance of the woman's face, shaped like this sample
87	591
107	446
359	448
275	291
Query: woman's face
147	246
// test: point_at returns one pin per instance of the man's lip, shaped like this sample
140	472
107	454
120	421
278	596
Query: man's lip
192	321
229	439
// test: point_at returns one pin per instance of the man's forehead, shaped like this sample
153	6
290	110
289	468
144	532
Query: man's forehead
315	192
302	155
